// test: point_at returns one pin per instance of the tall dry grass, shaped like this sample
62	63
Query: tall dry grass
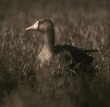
79	23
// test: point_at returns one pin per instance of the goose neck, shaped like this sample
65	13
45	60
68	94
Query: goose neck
49	40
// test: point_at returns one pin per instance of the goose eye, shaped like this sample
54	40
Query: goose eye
41	22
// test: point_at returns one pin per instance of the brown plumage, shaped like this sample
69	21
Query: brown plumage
49	50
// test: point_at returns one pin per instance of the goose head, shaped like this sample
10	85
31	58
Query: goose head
44	25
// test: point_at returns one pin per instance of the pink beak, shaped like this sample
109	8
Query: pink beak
35	26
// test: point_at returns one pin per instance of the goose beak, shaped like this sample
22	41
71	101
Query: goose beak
35	26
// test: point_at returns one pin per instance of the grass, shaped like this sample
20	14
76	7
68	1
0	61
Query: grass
81	24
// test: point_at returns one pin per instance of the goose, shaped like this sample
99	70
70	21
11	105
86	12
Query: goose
49	50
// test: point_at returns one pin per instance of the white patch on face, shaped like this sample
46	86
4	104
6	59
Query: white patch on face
35	26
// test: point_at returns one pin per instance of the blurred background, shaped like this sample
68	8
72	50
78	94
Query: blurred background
81	23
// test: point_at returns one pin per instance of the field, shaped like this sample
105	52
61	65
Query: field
83	24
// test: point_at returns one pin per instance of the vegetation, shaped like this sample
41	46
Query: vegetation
80	23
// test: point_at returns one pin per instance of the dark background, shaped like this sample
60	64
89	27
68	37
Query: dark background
81	23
